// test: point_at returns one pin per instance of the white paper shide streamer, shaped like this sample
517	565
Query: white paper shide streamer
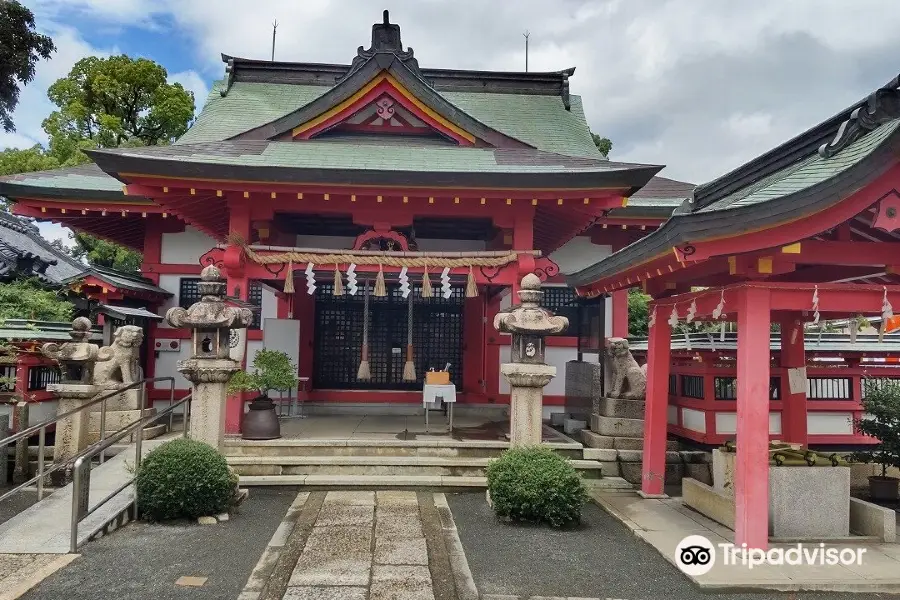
352	286
445	283
310	279
404	282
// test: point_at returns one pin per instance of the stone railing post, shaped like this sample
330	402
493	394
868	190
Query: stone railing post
528	374
209	368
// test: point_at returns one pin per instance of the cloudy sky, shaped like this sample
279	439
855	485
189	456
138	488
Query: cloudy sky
698	85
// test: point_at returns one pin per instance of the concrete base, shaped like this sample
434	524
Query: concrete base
632	472
526	399
647	496
708	501
619	407
794	491
873	520
573	426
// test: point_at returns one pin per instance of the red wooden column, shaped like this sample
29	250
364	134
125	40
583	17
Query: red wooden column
793	355
473	347
620	313
655	417
751	481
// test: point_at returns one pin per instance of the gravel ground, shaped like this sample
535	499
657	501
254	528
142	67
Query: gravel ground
143	560
602	558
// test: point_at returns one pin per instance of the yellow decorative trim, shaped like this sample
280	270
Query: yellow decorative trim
299	195
534	201
378	79
764	265
624	201
559	201
456	200
508	201
218	193
405	199
791	249
352	197
587	200
732	265
246	194
124	190
273	195
193	191
165	189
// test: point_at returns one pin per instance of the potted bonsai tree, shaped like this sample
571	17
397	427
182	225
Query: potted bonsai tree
271	370
882	421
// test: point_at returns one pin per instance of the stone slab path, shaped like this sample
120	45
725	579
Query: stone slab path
364	545
358	545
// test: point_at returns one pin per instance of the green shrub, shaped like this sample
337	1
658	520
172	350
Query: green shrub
184	479
536	484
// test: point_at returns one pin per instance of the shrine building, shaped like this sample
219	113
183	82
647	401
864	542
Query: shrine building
807	231
376	212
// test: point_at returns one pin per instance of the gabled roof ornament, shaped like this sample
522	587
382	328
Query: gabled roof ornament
882	106
385	40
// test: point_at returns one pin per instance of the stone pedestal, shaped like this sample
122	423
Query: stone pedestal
209	379
72	431
527	384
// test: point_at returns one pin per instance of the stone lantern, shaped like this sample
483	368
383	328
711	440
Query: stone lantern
76	361
209	368
528	374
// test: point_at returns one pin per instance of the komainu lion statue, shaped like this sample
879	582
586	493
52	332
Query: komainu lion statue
629	380
118	363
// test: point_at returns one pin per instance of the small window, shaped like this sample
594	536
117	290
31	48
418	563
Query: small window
254	297
562	301
189	291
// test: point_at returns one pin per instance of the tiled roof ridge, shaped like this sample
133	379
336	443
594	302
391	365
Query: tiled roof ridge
826	138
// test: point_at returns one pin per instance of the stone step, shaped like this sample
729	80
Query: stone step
377	466
631	472
620	407
617	426
421	448
592	439
408	481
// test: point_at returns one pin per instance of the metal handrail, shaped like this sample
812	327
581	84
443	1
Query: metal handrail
81	504
41	429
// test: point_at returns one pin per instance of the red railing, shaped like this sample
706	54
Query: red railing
703	405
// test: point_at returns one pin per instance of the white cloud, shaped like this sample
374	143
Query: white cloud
52	231
192	81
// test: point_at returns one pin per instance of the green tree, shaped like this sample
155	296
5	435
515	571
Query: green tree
112	102
881	406
102	253
604	145
638	312
28	299
14	160
20	48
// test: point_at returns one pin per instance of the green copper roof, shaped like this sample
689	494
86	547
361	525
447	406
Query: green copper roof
539	120
808	172
88	178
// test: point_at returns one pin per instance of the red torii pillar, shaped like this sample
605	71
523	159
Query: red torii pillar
751	479
793	356
659	352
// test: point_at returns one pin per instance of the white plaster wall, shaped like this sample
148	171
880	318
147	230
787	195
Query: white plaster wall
269	309
672	414
37	412
558	357
186	247
726	423
695	420
253	347
165	364
833	423
172	284
578	254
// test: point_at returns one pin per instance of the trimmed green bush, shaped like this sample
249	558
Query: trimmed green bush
184	479
536	484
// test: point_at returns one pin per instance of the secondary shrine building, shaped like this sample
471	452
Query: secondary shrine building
323	191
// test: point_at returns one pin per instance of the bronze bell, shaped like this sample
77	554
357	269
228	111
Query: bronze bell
260	422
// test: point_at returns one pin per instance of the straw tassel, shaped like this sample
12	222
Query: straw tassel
289	278
471	288
426	285
338	282
409	368
365	372
380	290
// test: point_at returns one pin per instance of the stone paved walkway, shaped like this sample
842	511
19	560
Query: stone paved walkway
364	545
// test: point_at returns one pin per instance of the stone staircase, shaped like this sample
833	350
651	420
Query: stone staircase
616	440
384	463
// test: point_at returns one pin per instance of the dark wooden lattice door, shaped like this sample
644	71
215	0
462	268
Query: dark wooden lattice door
437	337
